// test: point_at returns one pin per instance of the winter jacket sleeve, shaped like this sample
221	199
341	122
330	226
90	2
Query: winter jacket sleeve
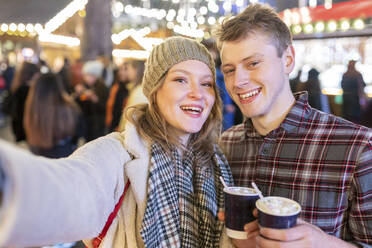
48	201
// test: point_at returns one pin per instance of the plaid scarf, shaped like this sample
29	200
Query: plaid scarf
183	199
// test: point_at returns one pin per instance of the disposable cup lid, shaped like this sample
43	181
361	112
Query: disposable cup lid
243	191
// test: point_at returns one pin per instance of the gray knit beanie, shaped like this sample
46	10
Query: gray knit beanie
173	51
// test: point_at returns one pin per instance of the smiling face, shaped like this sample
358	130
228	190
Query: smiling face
123	73
256	77
186	97
132	72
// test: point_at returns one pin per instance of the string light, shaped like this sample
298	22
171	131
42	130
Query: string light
4	27
201	20
187	31
59	39
211	20
312	3
30	28
137	54
297	29
358	24
203	10
308	28
239	3
331	26
21	27
138	36
12	27
345	25
319	26
65	14
327	4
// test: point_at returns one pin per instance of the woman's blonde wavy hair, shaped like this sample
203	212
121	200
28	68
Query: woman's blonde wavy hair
152	126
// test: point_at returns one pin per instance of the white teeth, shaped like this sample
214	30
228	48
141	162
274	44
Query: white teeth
249	94
196	109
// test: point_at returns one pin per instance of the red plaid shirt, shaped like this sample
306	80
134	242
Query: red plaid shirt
321	161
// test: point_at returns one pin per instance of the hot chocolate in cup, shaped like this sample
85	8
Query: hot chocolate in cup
277	212
239	205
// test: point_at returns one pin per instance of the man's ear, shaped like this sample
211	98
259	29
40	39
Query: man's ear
289	59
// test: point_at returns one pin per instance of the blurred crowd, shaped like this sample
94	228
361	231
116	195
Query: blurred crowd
55	111
352	105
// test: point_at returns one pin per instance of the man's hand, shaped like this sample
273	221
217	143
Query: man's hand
304	235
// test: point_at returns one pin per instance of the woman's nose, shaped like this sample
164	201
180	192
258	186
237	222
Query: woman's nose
195	91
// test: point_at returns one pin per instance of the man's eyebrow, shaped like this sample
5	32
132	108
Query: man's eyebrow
255	55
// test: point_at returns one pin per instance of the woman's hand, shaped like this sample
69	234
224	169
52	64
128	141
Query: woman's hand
251	229
252	233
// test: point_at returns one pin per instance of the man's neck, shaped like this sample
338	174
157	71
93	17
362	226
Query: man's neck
266	123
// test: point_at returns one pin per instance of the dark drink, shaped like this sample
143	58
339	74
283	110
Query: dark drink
239	205
277	212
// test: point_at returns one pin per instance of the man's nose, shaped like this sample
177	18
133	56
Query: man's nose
242	77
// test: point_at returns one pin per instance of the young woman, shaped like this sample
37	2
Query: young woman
136	96
167	152
91	95
19	90
51	118
118	98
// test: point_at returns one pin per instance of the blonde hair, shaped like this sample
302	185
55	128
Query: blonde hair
152	126
256	18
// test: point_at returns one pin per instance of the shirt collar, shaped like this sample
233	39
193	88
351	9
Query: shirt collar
292	123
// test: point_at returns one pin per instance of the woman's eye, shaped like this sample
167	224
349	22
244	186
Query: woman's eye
180	80
207	84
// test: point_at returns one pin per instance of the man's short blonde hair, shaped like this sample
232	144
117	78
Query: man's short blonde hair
256	18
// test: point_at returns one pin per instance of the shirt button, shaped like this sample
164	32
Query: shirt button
265	150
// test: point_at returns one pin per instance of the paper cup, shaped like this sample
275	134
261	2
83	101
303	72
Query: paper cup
277	212
239	205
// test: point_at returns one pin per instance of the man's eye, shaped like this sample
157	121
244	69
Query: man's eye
227	72
253	64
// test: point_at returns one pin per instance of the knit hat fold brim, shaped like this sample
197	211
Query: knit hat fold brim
169	53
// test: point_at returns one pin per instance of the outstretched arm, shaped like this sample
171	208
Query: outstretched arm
47	201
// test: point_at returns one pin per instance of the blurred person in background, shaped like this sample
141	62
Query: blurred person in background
229	108
168	153
107	71
18	94
66	75
118	98
135	74
312	86
135	71
76	72
8	73
92	95
294	82
52	119
352	84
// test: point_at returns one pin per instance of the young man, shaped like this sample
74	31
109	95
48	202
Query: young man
288	148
